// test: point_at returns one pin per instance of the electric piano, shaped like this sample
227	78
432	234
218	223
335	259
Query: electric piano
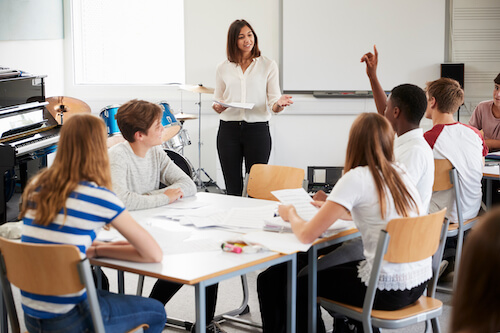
27	131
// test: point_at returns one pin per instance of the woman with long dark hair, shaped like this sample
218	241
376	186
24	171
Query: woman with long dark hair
245	77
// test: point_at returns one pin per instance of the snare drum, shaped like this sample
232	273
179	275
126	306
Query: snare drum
181	162
171	126
108	115
179	141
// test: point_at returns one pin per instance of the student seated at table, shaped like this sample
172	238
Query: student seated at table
139	165
476	301
463	146
486	117
69	203
374	189
405	108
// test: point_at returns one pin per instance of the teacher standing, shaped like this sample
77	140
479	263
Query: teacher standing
245	77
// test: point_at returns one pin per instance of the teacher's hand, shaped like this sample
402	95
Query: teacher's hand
218	108
285	100
371	61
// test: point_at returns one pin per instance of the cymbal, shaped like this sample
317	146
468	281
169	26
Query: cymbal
185	116
199	88
67	106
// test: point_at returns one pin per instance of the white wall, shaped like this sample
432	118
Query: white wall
42	57
313	132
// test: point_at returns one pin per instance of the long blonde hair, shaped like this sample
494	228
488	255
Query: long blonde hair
81	156
371	143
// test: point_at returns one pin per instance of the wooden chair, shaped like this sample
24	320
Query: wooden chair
404	240
47	270
445	178
264	178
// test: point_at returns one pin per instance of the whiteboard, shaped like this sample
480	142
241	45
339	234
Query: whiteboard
323	41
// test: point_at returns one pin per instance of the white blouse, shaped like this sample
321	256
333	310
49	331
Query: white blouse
259	85
356	191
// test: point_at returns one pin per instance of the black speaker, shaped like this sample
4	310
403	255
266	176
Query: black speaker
453	71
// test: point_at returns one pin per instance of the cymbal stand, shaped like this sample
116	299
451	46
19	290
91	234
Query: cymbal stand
199	182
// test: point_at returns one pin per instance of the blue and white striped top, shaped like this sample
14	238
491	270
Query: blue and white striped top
89	208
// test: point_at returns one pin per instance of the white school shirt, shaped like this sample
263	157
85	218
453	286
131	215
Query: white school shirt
464	147
356	191
415	154
259	84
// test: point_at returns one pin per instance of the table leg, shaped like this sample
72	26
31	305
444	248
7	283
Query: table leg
98	273
489	185
121	282
4	325
292	294
312	285
200	296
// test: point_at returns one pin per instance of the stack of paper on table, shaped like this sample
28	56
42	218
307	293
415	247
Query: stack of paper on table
282	239
235	218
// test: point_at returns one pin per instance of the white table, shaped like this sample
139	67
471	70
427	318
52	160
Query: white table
203	269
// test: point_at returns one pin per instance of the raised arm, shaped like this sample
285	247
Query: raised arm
371	61
142	247
308	231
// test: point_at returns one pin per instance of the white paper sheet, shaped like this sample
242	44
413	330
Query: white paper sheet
277	224
187	203
247	106
284	243
250	218
300	199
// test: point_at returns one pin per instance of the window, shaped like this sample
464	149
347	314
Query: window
128	41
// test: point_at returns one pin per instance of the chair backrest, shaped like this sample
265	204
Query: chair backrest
35	267
264	178
442	168
414	238
407	240
45	269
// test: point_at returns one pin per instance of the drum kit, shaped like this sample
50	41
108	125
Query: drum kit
175	137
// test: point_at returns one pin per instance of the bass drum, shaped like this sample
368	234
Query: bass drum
181	162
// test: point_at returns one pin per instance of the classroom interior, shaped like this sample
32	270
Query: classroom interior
313	131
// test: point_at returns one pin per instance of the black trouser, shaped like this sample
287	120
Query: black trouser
238	140
164	290
339	283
